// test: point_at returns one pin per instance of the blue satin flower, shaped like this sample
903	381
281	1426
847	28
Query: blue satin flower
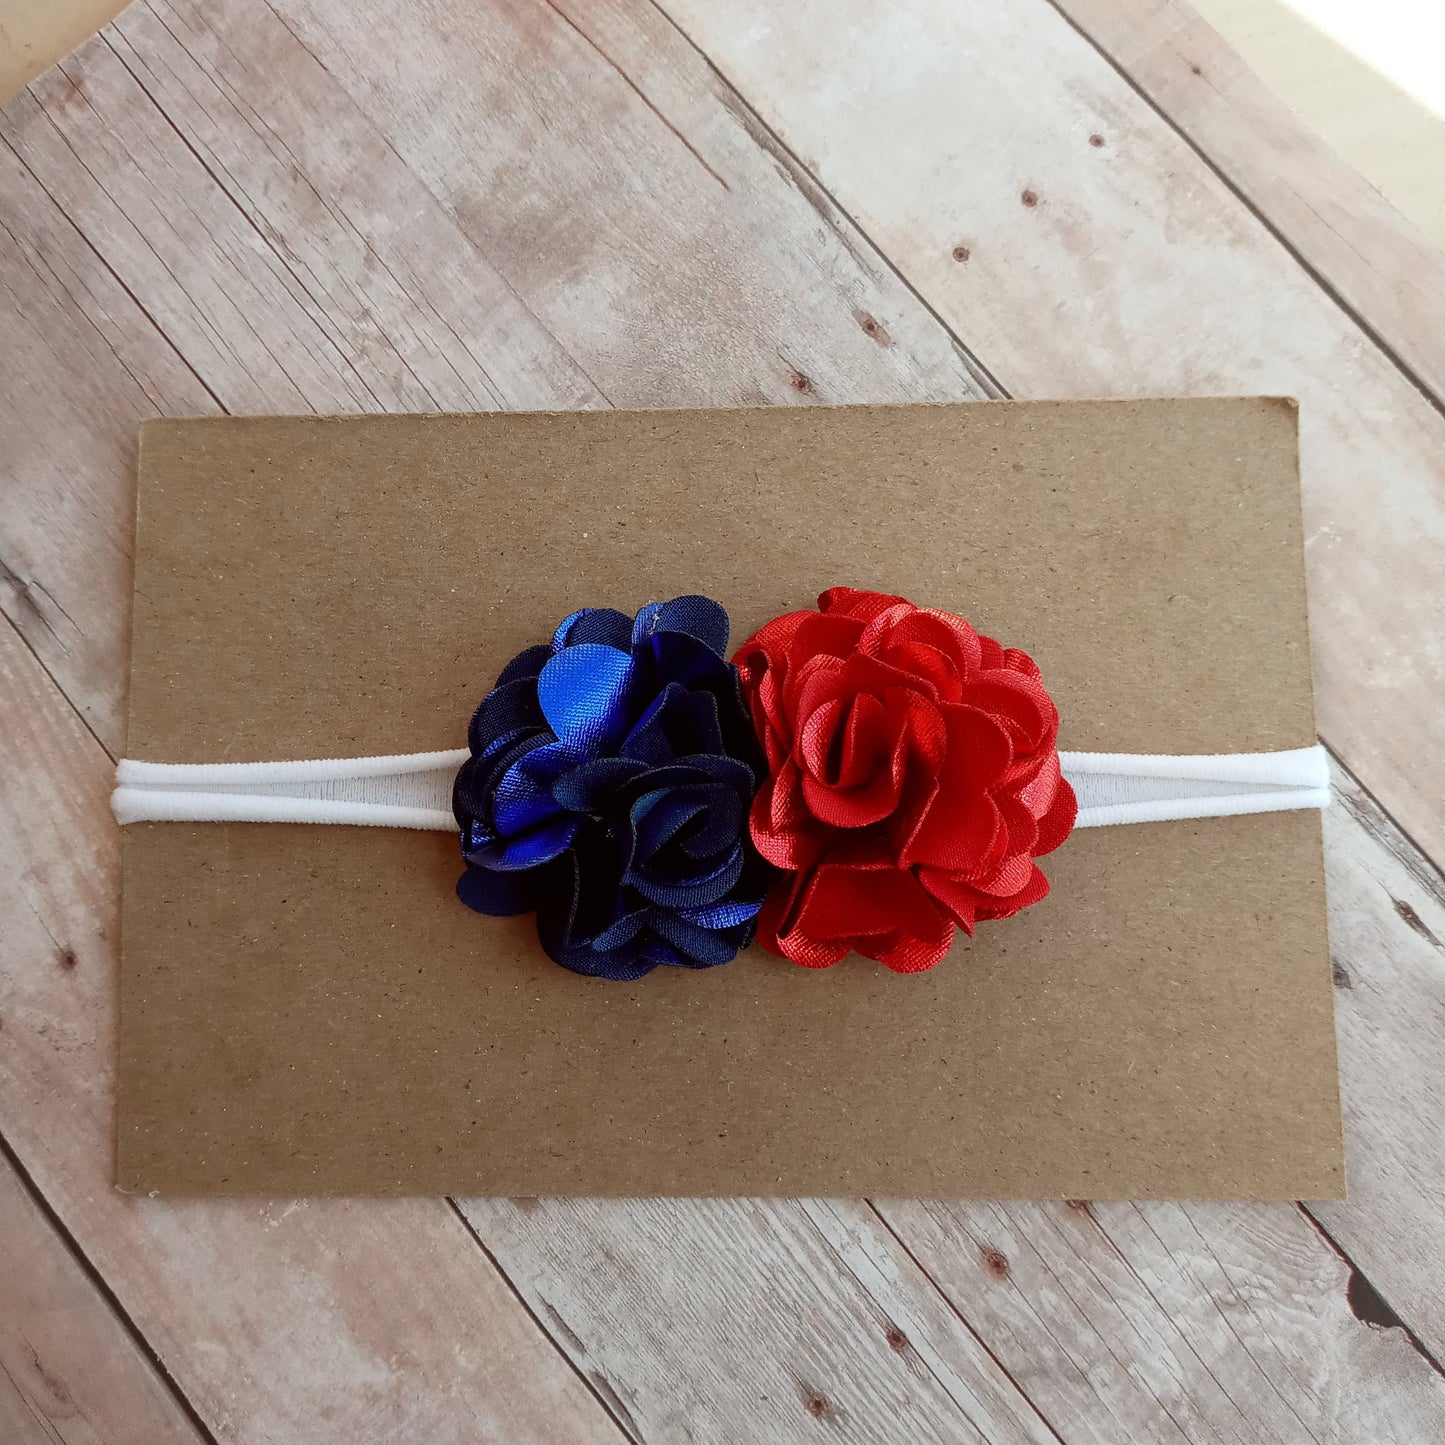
608	791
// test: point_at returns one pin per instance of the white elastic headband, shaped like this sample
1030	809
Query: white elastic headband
413	790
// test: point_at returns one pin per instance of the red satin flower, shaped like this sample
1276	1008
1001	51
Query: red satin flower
914	778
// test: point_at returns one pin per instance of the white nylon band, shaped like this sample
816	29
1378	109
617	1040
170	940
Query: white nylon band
1155	787
407	790
413	790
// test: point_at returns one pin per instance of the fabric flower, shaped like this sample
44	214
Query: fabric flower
913	779
608	790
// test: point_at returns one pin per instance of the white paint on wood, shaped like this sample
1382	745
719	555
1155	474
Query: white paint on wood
368	1321
1387	937
521	207
69	1371
960	139
1173	1322
1338	223
721	1320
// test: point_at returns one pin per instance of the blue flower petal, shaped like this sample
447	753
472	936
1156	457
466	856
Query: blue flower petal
588	787
475	788
527	663
476	836
583	691
509	709
565	626
675	723
541	844
596	624
722	915
677	657
688	893
703	947
698	617
658	815
608	789
556	931
522	800
501	894
622	931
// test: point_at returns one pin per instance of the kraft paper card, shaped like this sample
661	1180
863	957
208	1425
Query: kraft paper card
309	1009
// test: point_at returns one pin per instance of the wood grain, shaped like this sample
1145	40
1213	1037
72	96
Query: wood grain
382	296
80	365
1387	930
1124	266
735	1319
1389	273
1300	1316
69	1370
1171	1322
516	206
280	1320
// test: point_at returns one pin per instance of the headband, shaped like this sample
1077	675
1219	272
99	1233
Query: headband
870	776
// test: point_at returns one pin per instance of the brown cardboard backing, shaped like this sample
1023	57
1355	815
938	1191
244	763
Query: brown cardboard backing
309	1010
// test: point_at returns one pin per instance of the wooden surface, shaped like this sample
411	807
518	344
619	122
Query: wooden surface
267	207
1361	105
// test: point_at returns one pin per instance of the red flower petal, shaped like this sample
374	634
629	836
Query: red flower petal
951	635
918	659
1019	702
961	828
1020	825
831	633
953	893
1013	875
883	625
969	904
852	603
854	807
779	936
991	655
915	778
1017	661
1058	822
956	834
882	913
847	741
905	952
1034	891
783	830
979	750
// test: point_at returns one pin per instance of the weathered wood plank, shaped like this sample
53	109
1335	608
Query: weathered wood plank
295	268
1170	1322
280	1320
621	195
1387	936
1371	256
1226	1314
653	236
703	1335
160	245
80	365
69	1371
1060	227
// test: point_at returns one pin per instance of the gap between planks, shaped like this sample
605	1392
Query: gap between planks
85	1268
772	143
769	140
911	288
1381	341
